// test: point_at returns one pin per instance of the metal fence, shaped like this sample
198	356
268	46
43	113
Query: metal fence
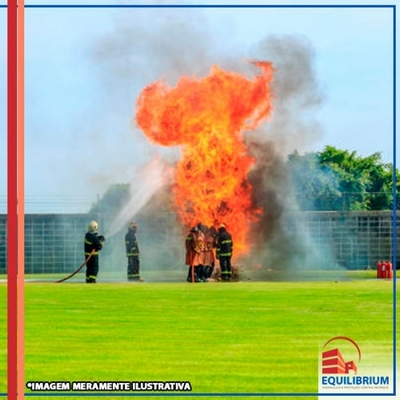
355	239
54	242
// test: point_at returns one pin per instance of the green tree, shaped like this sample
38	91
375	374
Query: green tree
337	180
317	188
113	199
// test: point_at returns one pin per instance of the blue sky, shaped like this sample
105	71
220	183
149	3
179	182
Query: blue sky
84	69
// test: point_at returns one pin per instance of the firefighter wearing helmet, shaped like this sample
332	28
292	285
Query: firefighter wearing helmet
93	243
224	252
132	252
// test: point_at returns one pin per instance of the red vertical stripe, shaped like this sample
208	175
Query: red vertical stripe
12	220
21	205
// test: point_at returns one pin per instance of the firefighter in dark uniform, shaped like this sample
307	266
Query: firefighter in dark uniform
224	252
93	243
132	252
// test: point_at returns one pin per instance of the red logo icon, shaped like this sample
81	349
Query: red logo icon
333	361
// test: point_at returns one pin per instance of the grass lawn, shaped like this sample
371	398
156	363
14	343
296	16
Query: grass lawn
244	337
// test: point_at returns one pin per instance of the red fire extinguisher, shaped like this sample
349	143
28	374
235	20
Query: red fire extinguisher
384	270
390	270
379	269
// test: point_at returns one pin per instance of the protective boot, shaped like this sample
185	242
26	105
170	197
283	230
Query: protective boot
189	277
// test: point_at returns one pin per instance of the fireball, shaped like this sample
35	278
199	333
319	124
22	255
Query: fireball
207	118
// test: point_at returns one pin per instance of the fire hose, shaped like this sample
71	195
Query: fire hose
75	272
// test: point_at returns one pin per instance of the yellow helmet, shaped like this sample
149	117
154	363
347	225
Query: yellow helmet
93	226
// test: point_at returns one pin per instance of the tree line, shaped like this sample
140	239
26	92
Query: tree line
341	180
329	180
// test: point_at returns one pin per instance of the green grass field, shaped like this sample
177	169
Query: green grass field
238	337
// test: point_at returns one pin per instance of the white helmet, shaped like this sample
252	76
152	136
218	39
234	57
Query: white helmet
93	226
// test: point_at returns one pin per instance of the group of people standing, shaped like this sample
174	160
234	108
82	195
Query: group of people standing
204	245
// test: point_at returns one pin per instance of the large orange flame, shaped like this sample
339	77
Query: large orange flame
206	118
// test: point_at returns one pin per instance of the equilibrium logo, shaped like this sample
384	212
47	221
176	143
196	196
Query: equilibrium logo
333	361
341	370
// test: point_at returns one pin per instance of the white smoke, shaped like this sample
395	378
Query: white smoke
146	182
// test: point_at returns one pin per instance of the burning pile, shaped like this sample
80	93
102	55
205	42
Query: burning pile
206	117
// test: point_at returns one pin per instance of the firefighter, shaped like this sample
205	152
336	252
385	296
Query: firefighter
208	252
224	252
200	248
93	242
132	252
191	252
